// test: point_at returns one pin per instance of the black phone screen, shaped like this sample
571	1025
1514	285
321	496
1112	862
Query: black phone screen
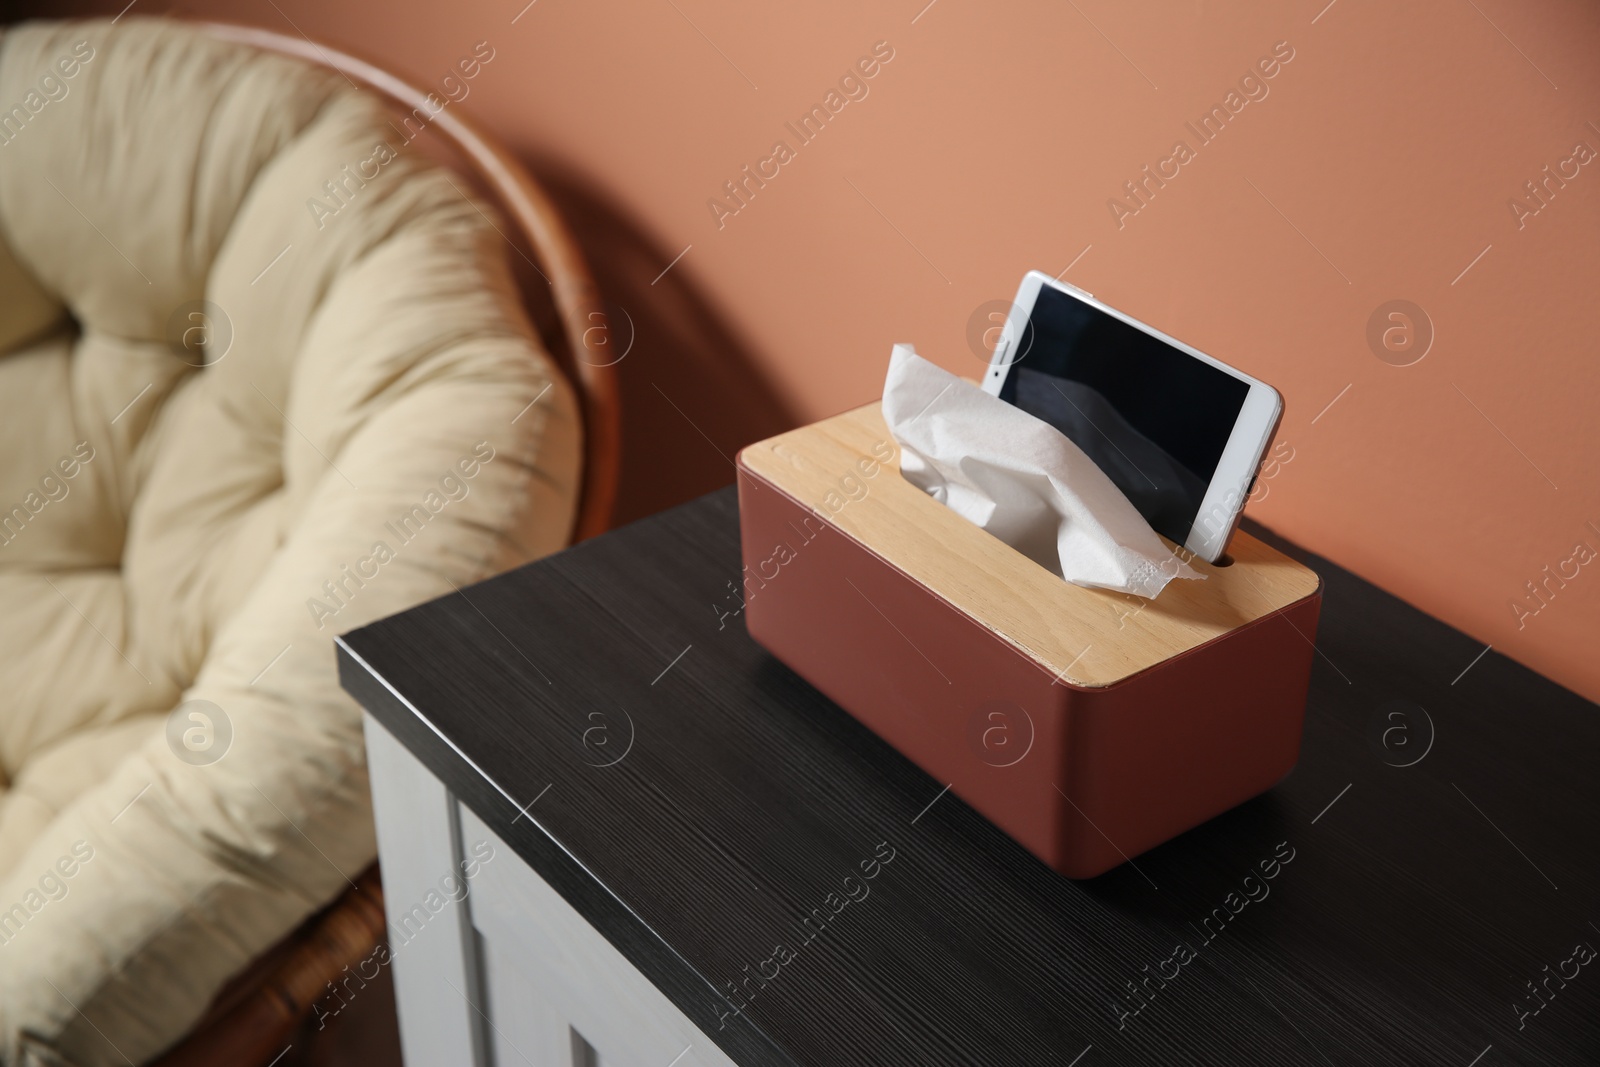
1151	416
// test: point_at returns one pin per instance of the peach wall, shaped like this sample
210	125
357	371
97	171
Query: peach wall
1379	166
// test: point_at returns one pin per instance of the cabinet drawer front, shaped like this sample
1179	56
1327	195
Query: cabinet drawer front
526	927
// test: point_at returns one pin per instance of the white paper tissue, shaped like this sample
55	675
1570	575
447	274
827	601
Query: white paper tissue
1021	480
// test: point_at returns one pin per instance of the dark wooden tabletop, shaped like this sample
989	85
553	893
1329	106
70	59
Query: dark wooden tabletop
1420	890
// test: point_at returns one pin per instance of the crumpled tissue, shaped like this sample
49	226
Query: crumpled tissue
1022	480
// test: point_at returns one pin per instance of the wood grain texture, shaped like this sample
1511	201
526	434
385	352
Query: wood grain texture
825	467
1418	902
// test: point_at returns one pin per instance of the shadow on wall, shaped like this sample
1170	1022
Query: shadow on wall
691	396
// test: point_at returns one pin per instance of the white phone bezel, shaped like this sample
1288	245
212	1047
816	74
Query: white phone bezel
1252	430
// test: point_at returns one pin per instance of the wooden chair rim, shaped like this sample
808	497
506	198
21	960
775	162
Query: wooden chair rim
252	1025
586	361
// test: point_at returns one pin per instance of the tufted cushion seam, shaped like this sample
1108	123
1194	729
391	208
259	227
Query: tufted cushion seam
397	340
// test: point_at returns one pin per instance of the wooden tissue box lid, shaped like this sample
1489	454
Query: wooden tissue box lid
1085	637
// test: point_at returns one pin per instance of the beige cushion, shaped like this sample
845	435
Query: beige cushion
382	428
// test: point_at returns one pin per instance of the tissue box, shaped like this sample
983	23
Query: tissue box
1088	725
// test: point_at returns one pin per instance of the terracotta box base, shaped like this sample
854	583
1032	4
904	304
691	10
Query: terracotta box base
1085	768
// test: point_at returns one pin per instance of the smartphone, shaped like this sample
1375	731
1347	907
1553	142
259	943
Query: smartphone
1180	433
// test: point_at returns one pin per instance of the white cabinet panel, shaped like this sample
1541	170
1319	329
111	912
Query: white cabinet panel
525	1030
535	938
435	977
